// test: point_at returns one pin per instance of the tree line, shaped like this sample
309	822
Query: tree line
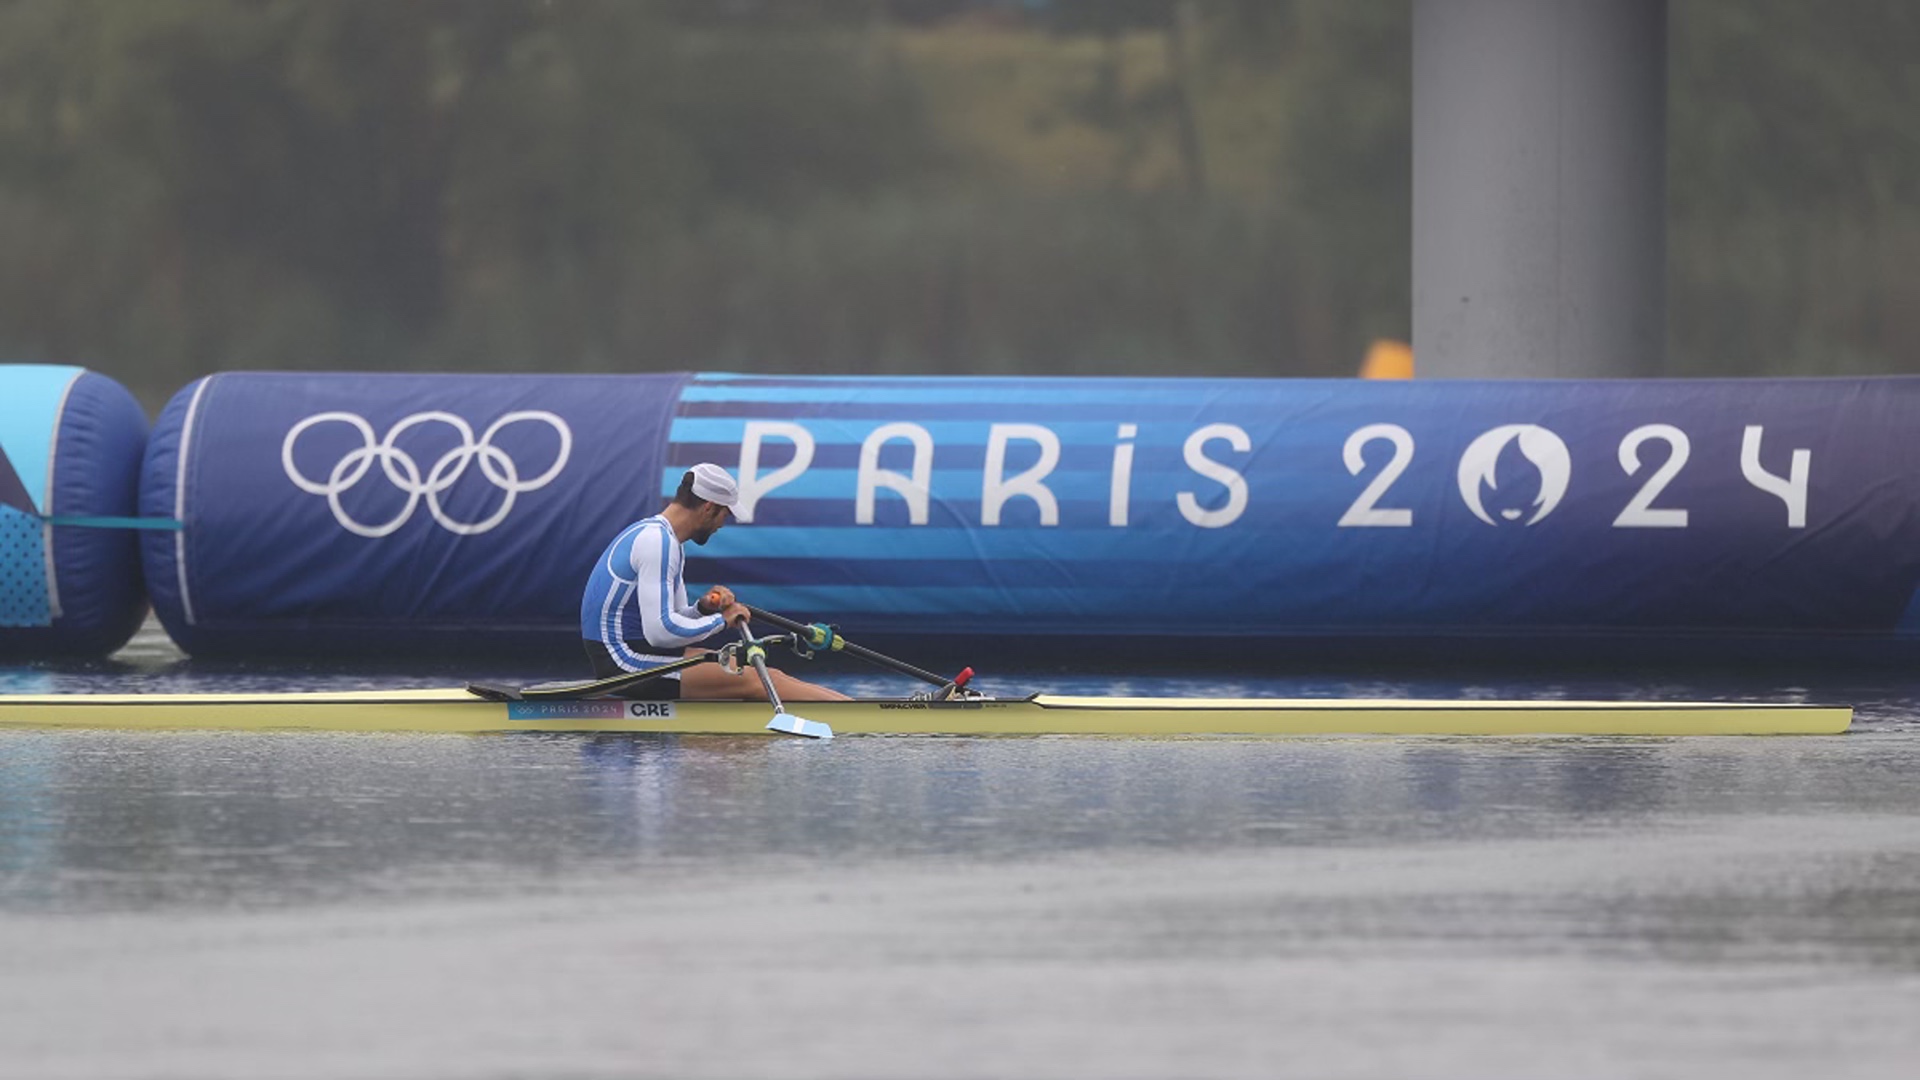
918	186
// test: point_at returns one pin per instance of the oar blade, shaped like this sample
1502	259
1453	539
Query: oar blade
790	724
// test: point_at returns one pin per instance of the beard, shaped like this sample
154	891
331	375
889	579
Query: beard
707	528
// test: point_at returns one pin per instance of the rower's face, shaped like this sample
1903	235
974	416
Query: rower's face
713	517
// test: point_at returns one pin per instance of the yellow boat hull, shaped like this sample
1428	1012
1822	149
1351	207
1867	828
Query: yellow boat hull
455	710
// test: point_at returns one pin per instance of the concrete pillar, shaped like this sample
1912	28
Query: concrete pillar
1539	188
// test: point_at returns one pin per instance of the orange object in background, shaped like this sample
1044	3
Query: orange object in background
1388	359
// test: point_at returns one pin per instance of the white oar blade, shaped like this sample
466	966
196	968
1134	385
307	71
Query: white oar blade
795	725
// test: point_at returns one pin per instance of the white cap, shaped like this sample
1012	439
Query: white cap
712	483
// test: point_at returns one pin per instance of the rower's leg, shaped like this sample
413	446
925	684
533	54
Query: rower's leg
792	689
711	683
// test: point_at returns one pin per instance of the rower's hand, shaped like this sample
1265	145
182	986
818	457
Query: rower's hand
718	598
736	614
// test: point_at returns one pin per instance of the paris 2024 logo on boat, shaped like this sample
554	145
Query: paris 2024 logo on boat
405	473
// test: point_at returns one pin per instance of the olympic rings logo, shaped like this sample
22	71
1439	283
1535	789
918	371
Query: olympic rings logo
403	472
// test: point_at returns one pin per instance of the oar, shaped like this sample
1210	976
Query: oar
821	636
596	688
782	719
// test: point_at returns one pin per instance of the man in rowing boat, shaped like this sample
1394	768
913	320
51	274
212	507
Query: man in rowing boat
634	614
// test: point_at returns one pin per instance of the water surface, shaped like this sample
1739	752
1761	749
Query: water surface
350	905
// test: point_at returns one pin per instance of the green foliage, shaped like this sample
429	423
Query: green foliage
1794	187
1147	186
188	185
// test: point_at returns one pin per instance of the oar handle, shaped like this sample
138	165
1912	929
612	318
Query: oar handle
808	634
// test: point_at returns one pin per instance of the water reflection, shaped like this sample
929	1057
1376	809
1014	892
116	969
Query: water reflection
93	820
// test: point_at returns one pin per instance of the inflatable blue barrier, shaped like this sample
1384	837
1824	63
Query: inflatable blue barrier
70	451
349	514
355	514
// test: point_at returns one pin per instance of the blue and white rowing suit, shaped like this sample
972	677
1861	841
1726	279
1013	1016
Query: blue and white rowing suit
635	608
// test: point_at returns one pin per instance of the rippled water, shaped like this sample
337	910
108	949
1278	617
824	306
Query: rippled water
329	905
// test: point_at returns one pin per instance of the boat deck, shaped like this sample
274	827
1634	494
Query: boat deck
455	710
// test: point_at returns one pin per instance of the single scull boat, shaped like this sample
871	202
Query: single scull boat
953	709
460	710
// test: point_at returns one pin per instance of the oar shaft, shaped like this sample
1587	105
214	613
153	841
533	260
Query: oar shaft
616	682
757	656
862	652
783	721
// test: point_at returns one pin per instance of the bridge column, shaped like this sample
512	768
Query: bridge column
1539	188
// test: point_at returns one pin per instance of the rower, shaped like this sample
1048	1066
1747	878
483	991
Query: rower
634	614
